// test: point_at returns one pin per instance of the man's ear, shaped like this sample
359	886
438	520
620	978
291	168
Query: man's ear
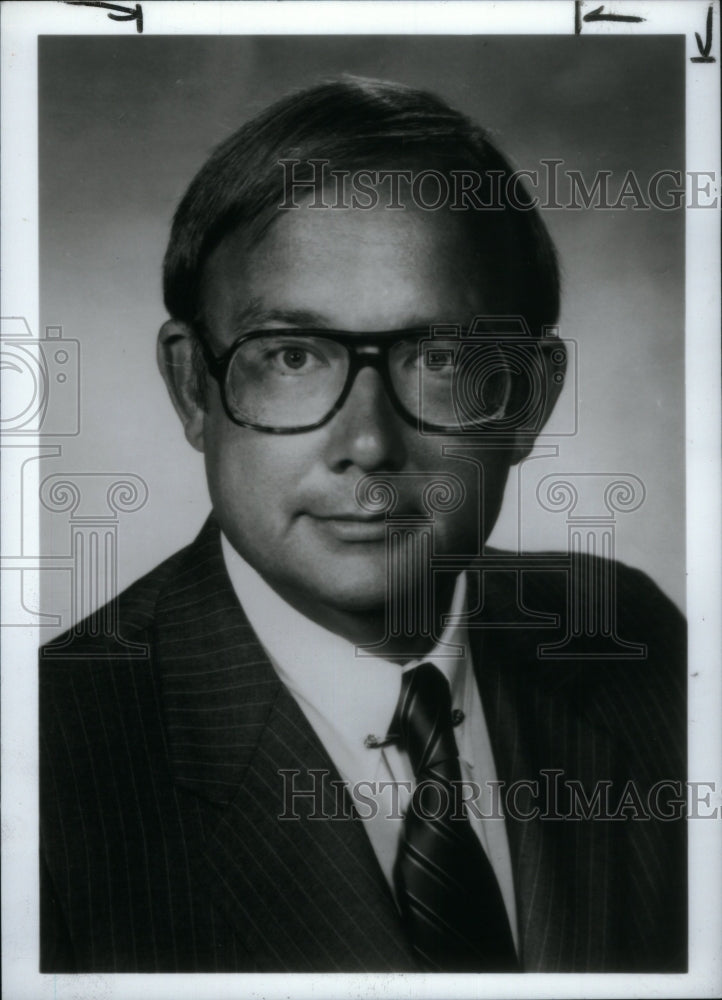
552	354
176	356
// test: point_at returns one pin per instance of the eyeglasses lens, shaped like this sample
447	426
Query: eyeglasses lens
286	381
451	384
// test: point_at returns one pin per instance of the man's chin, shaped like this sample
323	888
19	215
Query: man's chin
326	590
351	596
360	577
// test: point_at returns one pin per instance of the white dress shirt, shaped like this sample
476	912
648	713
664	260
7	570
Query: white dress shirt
347	696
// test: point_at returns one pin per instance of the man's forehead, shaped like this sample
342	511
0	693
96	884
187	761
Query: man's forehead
351	269
320	228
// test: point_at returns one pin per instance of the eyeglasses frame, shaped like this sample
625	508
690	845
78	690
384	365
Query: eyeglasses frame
365	351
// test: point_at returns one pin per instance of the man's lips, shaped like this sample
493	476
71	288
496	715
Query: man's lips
344	526
363	516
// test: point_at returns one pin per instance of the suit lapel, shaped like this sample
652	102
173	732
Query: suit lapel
564	898
294	869
304	893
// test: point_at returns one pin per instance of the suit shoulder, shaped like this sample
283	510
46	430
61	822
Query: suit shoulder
117	627
622	656
554	582
602	587
595	631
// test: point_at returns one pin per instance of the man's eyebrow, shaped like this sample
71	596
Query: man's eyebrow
255	314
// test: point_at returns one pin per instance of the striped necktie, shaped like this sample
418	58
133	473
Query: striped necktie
445	886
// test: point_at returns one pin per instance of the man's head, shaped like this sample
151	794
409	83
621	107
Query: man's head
238	263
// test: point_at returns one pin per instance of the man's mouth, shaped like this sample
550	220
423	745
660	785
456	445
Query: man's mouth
351	527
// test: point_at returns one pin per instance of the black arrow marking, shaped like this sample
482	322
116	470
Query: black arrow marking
704	50
597	15
126	13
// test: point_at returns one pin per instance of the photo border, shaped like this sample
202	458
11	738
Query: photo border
22	22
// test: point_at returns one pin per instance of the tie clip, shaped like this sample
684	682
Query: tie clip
374	743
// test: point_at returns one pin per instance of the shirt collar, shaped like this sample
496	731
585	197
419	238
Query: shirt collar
347	693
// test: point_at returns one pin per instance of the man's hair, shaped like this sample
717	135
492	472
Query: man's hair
356	123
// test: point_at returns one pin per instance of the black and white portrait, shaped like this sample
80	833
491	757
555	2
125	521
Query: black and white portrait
352	490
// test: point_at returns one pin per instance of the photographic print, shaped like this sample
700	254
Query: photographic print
361	499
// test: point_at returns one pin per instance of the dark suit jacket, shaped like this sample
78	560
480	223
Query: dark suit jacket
161	847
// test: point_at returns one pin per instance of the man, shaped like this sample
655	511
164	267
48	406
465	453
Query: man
285	755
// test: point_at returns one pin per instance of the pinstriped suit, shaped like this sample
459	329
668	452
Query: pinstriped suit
161	847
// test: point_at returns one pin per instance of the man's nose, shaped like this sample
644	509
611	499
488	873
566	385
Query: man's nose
367	431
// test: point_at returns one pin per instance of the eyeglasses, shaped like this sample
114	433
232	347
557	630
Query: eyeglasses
286	381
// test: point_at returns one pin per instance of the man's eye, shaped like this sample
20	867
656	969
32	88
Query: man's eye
437	360
409	354
294	357
291	359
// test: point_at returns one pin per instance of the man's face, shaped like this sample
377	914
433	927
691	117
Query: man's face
288	502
